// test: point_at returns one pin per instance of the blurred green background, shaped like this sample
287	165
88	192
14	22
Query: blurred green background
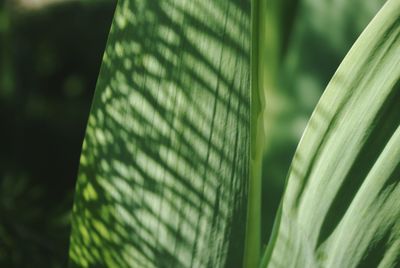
50	55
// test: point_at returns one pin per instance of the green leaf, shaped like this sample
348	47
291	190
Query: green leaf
164	168
341	206
306	58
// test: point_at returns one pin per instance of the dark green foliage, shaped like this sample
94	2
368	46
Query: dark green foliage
43	114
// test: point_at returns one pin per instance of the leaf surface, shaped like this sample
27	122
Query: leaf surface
341	206
164	167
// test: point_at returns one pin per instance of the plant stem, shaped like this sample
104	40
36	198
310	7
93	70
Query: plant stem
253	233
264	71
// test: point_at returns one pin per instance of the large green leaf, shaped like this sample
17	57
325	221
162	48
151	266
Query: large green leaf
164	168
341	206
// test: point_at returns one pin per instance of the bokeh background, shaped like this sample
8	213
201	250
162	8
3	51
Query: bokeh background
50	55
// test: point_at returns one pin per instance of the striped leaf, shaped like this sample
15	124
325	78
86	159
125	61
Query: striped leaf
341	206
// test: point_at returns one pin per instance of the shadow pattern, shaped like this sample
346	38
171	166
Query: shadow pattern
164	165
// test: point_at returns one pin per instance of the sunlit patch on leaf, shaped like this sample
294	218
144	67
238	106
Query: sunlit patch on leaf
164	167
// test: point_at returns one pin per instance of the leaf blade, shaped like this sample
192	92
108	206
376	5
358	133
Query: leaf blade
164	167
330	187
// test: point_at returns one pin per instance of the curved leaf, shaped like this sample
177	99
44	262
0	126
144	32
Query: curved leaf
341	206
164	168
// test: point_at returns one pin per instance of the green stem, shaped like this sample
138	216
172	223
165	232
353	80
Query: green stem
253	225
264	69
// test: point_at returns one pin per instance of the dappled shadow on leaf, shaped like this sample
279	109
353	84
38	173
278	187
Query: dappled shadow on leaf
164	166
